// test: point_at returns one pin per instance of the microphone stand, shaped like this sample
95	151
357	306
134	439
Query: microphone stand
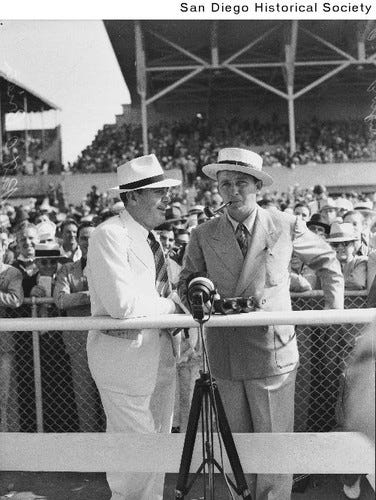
207	403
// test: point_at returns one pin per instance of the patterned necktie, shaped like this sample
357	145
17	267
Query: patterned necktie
162	283
241	236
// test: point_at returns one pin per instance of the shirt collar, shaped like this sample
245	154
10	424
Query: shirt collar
248	222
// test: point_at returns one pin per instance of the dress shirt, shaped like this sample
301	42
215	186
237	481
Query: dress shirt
248	223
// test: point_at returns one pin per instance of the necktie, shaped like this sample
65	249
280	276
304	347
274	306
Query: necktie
241	236
161	277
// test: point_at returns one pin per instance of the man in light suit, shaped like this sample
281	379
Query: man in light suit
246	252
122	274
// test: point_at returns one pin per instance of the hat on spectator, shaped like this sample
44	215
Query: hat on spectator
173	217
48	250
142	173
316	221
342	232
366	207
182	236
174	214
196	209
238	160
328	205
46	231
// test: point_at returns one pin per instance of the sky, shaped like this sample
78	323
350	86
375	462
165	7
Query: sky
72	64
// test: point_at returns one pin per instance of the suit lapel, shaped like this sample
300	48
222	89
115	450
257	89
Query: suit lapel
263	238
223	242
137	247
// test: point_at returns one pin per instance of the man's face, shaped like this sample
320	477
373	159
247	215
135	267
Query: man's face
344	250
47	266
70	236
83	239
302	212
329	215
357	220
320	231
26	241
148	206
241	190
167	239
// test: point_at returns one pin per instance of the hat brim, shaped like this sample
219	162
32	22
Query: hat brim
368	211
341	239
212	170
324	226
159	184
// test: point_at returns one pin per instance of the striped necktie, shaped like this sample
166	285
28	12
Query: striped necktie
242	238
162	283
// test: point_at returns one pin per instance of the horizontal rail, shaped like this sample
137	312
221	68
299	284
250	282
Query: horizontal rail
295	295
312	453
258	318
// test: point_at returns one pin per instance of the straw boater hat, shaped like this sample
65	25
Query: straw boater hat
142	173
48	250
238	160
365	207
341	232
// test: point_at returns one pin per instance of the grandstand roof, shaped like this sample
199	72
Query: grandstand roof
12	95
175	48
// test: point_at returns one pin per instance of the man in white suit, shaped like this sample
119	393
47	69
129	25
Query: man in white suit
123	282
246	252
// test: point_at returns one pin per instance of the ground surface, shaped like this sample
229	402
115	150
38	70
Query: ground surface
92	486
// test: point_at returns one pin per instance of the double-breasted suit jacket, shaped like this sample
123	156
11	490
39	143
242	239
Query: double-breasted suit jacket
260	351
121	278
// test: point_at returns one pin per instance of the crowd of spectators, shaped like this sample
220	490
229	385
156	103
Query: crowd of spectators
17	159
190	145
47	243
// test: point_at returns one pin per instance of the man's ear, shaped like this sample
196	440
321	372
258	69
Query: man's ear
258	185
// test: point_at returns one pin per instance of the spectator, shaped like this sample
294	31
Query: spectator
11	296
329	212
302	210
69	244
343	239
59	412
72	296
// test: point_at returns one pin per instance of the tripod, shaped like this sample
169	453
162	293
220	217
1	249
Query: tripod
206	400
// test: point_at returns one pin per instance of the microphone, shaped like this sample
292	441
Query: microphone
211	213
200	291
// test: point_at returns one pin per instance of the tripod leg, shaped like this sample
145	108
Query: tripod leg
190	438
228	441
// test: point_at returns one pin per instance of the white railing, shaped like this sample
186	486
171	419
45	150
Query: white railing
320	453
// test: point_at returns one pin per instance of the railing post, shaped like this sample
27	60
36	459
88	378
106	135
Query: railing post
37	371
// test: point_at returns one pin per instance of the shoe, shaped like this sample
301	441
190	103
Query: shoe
352	491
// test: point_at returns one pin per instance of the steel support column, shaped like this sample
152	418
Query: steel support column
142	84
26	129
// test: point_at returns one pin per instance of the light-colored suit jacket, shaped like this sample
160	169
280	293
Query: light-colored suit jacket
70	292
258	352
121	279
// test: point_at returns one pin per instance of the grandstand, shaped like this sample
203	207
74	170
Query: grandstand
298	93
26	151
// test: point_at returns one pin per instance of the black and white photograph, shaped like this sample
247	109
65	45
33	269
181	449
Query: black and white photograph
188	251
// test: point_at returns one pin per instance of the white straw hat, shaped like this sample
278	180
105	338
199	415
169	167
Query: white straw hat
342	232
142	173
238	160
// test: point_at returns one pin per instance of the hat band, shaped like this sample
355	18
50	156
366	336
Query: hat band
232	162
143	182
341	235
